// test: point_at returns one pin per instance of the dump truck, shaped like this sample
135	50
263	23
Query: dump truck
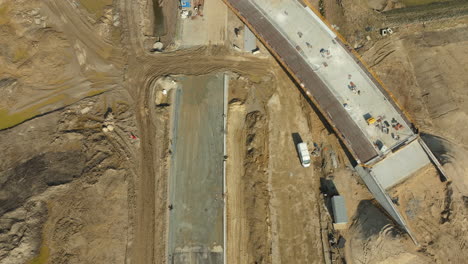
303	154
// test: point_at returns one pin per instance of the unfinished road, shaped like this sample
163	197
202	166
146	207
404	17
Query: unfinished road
196	177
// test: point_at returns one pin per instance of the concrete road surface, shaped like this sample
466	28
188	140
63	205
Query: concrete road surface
196	178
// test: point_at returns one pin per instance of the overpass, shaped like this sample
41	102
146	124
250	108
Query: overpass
363	114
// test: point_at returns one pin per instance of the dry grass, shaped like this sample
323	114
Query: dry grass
8	119
43	256
96	7
95	92
4	18
20	53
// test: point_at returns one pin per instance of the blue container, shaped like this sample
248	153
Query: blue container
185	3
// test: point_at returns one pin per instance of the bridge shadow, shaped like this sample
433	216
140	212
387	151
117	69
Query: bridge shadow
328	188
370	221
439	146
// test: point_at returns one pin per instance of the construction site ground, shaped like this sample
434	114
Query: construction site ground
196	173
86	136
210	28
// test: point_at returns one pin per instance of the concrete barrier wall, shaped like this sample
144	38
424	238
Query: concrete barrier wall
383	198
433	158
225	111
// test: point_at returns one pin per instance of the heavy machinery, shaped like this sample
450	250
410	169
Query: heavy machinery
370	120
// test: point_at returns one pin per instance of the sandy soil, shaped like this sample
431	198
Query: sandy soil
294	190
78	172
280	218
237	223
435	75
248	226
82	62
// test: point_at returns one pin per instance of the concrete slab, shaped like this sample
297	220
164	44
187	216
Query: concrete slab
196	177
398	166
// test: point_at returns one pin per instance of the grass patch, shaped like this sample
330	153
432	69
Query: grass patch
95	7
9	120
95	92
43	256
20	53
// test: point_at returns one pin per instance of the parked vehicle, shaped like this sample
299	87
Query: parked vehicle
303	154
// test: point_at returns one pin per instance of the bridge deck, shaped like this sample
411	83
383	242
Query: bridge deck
357	142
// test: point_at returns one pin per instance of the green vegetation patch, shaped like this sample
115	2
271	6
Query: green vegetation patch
95	7
20	54
43	256
8	119
95	92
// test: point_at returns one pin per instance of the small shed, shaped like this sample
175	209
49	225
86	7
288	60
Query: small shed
186	3
250	41
340	216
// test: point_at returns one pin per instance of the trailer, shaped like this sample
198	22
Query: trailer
340	216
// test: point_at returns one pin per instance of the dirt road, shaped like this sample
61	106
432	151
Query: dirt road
273	214
294	190
237	225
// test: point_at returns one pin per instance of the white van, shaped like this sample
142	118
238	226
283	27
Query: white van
304	154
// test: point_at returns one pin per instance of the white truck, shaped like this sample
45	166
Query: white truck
303	154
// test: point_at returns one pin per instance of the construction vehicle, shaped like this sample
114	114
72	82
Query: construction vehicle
370	120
